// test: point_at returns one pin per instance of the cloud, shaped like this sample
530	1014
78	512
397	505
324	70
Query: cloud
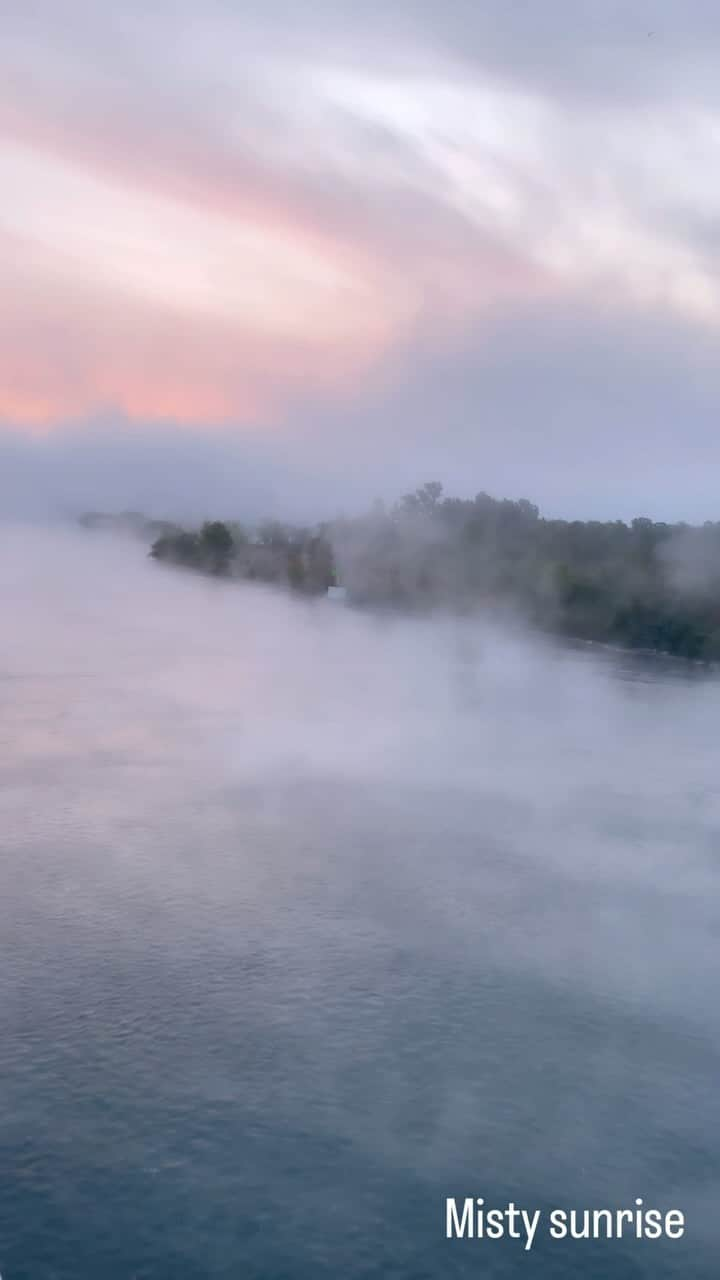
589	411
605	51
420	241
72	345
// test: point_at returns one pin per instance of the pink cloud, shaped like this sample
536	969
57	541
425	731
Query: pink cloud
70	347
73	344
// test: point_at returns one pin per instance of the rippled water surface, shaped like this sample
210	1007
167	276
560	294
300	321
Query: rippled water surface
309	920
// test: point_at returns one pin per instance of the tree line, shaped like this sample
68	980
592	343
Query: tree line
642	584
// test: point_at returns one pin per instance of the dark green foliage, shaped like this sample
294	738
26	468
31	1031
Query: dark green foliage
216	545
642	585
210	549
178	548
301	558
295	568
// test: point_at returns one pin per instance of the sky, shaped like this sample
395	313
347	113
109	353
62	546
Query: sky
290	256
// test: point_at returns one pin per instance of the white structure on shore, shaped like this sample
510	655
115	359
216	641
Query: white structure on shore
338	594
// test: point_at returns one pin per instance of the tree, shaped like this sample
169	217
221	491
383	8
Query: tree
425	499
217	545
177	548
295	569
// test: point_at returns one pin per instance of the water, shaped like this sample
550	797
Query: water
309	921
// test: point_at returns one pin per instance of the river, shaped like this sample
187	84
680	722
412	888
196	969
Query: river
311	920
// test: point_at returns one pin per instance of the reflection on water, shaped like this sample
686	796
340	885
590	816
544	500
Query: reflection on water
310	920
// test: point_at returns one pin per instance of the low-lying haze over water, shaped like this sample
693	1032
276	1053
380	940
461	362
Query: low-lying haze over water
312	918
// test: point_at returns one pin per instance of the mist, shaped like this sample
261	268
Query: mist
359	637
413	889
243	686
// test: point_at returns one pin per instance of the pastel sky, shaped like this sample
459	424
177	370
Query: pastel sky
302	252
